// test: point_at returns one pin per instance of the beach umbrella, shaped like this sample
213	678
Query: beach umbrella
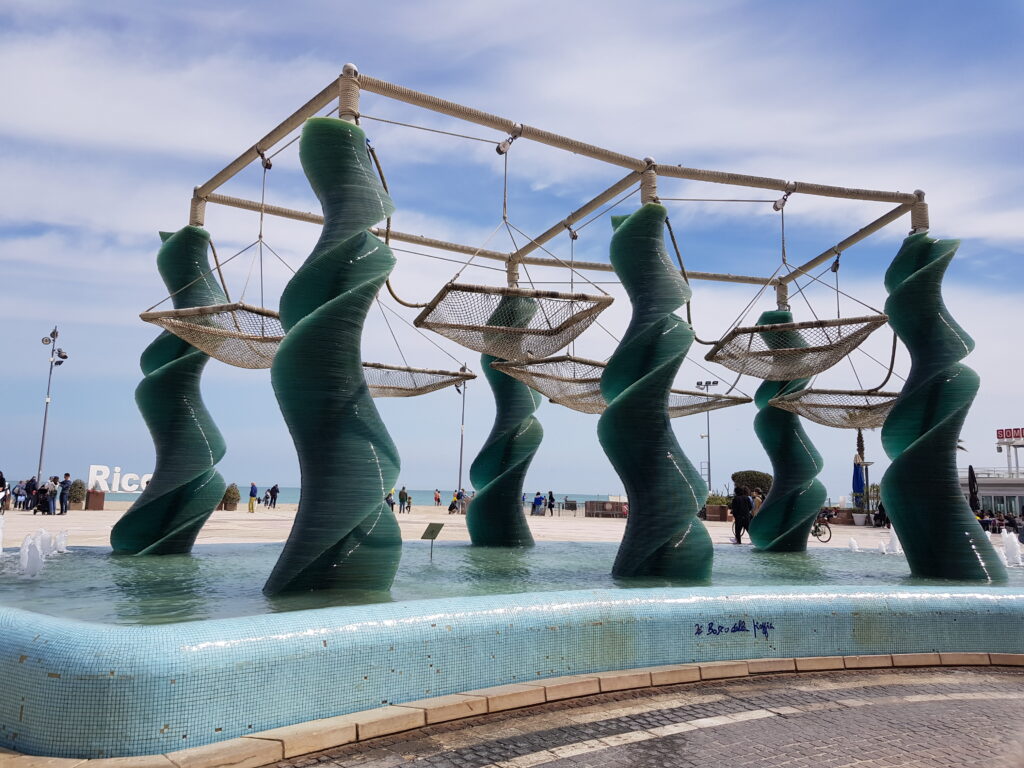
972	489
858	481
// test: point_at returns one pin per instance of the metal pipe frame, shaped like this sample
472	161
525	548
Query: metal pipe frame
206	192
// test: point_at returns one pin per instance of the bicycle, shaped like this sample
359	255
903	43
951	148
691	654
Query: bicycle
821	530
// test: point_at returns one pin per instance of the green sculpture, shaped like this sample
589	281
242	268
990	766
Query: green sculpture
784	521
185	487
921	490
496	517
344	535
663	537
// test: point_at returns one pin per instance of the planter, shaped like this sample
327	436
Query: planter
718	513
229	507
95	499
860	518
76	505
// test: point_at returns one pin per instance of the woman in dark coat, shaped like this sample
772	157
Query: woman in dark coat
742	508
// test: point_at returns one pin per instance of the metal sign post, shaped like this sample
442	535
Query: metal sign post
433	529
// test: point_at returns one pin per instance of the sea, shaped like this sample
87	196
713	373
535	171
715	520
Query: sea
420	497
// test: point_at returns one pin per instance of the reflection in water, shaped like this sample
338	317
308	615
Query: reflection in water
797	567
157	589
480	568
225	580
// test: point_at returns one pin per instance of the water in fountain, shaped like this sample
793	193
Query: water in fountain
1011	548
854	547
61	542
893	546
31	557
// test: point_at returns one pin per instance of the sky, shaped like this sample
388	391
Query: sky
116	110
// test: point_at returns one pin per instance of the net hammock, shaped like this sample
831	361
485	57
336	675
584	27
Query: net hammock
482	318
400	381
238	334
575	382
767	351
841	408
248	337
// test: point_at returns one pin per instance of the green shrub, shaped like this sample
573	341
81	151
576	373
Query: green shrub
231	494
718	500
753	479
76	494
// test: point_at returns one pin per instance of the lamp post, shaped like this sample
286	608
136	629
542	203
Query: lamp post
57	357
705	387
461	389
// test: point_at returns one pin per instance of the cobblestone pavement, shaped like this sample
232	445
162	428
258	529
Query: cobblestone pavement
967	716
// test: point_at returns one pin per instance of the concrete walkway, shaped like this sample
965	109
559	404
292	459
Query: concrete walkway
92	528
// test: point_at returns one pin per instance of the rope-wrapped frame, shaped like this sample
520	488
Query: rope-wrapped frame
766	351
575	382
469	315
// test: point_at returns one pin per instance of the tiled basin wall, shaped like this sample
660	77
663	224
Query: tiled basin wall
76	689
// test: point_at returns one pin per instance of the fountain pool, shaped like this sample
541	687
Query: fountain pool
181	651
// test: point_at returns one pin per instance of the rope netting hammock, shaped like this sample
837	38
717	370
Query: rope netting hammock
575	382
484	319
842	408
248	337
238	334
769	351
401	381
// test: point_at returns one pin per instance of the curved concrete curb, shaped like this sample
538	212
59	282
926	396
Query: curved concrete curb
265	747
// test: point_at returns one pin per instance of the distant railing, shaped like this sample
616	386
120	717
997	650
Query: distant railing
1002	472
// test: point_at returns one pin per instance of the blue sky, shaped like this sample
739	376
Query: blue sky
117	110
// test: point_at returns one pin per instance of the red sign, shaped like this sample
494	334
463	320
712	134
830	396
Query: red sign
1015	433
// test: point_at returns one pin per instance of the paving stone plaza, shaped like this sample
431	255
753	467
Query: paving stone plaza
955	716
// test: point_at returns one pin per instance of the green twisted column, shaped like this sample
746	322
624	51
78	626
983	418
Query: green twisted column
784	521
496	517
185	487
344	535
921	489
663	537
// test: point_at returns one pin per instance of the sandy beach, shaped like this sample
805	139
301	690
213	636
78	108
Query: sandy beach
92	527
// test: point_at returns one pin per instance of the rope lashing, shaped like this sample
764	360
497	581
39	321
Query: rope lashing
649	182
267	165
348	94
919	214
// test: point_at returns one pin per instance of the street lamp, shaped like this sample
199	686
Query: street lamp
705	387
57	357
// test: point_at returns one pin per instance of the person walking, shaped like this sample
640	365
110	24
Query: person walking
390	500
551	503
757	497
253	495
742	507
274	492
52	489
538	504
19	494
31	489
65	493
403	500
437	497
